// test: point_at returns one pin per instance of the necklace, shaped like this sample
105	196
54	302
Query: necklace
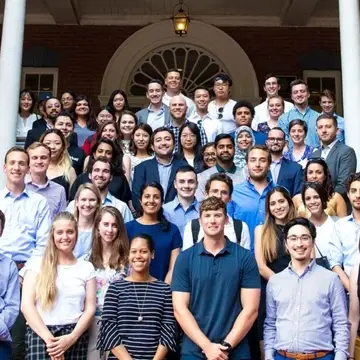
140	318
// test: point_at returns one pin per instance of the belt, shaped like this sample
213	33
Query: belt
302	356
20	264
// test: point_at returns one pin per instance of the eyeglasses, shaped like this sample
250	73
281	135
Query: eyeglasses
273	139
211	154
302	238
186	136
220	112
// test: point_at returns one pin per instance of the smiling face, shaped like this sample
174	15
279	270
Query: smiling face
155	93
299	243
313	202
151	201
141	139
258	164
67	101
65	235
185	184
103	116
315	173
326	130
244	140
201	100
172	81
271	86
327	104
53	141
354	195
25	102
275	141
209	156
119	102
127	124
104	149
275	108
16	167
52	108
188	139
220	190
86	203
163	144
140	255
39	160
225	150
108	228
300	94
278	206
65	125
213	222
109	132
178	107
100	175
82	108
297	134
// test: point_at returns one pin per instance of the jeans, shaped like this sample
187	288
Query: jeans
5	350
329	356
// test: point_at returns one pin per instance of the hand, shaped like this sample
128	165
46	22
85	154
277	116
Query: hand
216	352
60	345
62	357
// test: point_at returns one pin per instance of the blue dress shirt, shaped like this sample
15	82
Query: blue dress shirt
9	296
27	224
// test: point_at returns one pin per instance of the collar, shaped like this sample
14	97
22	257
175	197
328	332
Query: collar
227	249
307	269
39	186
8	193
269	186
177	203
108	199
330	146
232	170
277	162
302	113
162	110
164	165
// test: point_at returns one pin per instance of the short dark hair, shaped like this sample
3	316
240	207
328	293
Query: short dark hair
222	137
2	222
222	178
329	94
258	147
201	88
68	114
319	188
149	240
298	122
278	129
327	116
104	160
17	149
173	70
207	145
185	169
224	78
303	222
298	82
244	103
352	178
155	81
270	75
160	129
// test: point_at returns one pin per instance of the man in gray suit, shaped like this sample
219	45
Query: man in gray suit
340	158
156	114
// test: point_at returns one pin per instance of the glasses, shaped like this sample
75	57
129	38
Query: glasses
220	112
302	238
187	136
273	139
207	155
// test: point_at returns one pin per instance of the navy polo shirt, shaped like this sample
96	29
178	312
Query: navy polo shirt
214	283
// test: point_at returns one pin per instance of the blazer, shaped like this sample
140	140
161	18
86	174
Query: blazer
341	161
147	172
291	176
142	115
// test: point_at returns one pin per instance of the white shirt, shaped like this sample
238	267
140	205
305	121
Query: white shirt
229	231
189	103
71	286
262	112
212	126
326	149
227	120
22	127
325	233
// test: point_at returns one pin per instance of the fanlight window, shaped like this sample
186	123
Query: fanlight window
198	68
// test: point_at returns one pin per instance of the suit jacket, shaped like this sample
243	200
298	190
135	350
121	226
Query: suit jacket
147	172
341	161
291	176
143	114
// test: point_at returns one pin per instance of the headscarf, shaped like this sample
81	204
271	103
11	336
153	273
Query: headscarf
239	158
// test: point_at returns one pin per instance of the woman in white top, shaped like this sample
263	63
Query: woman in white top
127	123
109	255
315	198
26	116
59	297
87	207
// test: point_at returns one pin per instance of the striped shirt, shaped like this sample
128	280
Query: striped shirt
125	303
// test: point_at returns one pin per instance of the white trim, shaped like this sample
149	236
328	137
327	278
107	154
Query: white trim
41	71
139	45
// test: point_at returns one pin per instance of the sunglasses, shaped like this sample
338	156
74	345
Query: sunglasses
220	112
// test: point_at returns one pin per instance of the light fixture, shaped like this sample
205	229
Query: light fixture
181	18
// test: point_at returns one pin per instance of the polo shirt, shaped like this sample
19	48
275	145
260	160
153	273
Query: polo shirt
214	283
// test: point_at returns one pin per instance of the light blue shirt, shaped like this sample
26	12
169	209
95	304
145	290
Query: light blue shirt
83	244
309	116
250	206
275	170
176	214
164	174
9	296
82	133
156	119
27	224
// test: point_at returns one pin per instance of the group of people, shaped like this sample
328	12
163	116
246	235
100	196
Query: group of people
196	228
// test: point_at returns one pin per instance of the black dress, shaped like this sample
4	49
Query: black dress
61	180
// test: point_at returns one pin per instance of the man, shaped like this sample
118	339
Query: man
225	152
286	173
54	193
184	207
271	88
300	96
9	299
306	310
101	173
52	109
244	113
201	116
344	248
173	86
216	291
27	226
340	158
237	231
162	168
178	117
157	113
250	195
222	107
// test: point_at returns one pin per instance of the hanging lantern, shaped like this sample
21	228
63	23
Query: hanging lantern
181	19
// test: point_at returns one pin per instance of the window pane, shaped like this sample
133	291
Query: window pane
46	82
329	84
314	84
32	82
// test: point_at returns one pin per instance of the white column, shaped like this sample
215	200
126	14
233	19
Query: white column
350	66
10	73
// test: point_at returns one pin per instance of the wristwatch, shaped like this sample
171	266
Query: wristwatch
227	345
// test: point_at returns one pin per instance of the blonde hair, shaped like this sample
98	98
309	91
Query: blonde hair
95	191
45	288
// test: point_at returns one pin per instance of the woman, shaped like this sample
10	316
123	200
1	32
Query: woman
85	124
58	299
127	123
276	109
244	140
270	252
315	198
60	169
118	103
166	235
316	170
141	306
190	145
354	313
67	100
109	255
26	116
209	155
87	207
103	114
300	152
65	122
